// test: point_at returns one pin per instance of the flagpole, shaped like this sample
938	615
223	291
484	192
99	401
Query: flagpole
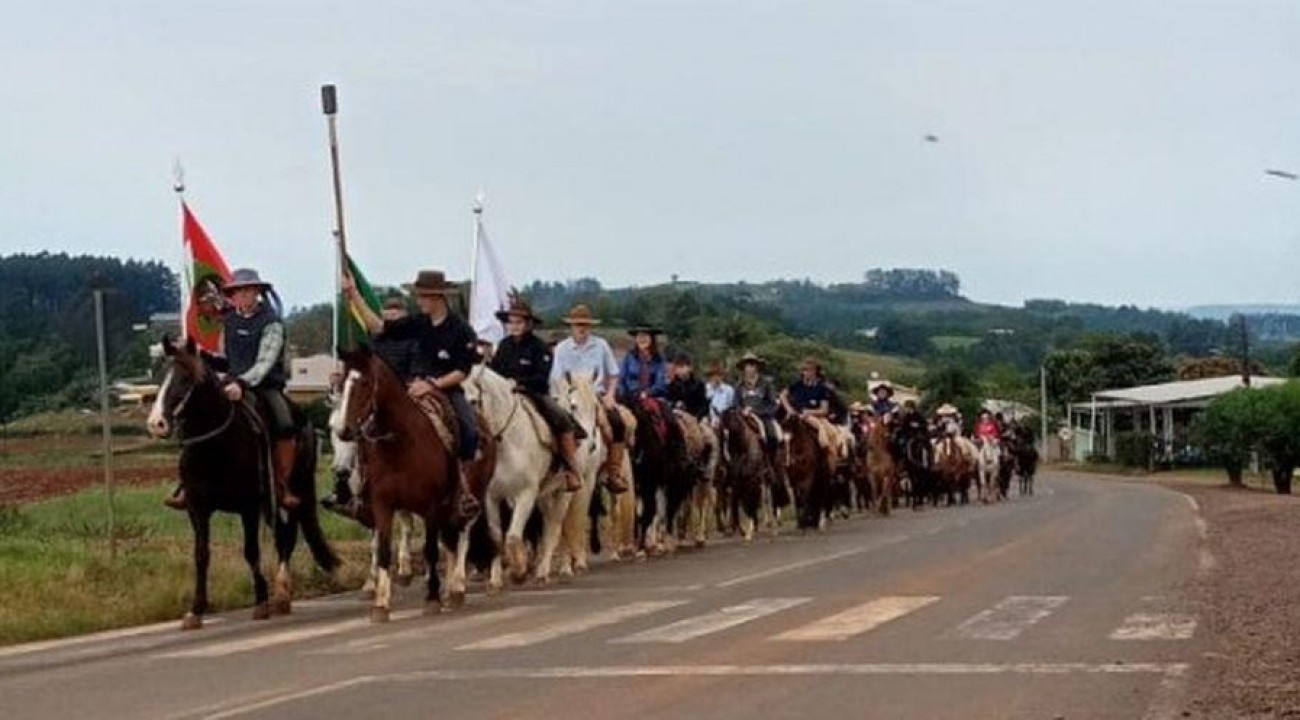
187	273
329	105
477	212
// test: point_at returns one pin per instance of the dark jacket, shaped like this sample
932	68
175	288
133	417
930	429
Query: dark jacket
759	399
525	360
690	394
439	349
243	343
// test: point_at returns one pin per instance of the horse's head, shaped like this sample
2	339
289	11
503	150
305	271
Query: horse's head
357	407
579	395
186	374
487	392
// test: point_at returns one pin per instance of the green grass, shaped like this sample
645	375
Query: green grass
891	367
952	342
58	578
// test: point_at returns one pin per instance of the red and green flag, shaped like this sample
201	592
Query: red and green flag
351	330
206	273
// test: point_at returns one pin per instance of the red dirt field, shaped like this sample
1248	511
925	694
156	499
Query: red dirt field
26	485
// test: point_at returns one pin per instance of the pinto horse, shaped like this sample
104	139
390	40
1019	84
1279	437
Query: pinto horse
663	482
225	467
407	466
808	470
747	470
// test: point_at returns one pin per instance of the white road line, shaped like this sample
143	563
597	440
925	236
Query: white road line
1009	618
290	697
707	624
468	622
106	636
858	620
811	562
261	642
577	625
1156	626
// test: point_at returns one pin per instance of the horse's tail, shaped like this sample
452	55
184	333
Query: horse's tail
308	513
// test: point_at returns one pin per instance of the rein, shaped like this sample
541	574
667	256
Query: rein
211	434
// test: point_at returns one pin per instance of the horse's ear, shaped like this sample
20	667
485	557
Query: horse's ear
190	347
168	345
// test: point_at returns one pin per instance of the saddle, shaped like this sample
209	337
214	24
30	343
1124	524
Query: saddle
656	413
692	433
436	407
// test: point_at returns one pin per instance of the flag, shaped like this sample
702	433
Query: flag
489	291
348	324
205	274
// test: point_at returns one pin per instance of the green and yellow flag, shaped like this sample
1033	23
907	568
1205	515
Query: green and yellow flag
349	328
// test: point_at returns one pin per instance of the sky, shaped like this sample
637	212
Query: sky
1108	151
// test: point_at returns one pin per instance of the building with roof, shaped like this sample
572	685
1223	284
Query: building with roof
309	377
1165	411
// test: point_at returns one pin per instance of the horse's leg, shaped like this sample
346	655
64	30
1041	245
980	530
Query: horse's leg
253	556
286	537
405	526
492	511
554	509
457	568
433	593
516	551
201	523
368	589
381	608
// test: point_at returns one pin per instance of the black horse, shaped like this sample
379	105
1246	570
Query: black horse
1024	452
663	479
225	467
916	455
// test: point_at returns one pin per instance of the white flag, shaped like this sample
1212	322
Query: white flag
490	291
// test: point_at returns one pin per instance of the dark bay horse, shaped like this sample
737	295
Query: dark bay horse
225	467
747	470
808	472
663	481
407	466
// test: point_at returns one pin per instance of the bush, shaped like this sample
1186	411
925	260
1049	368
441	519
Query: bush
1134	449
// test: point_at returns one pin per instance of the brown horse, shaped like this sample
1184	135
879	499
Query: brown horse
881	468
407	466
747	470
808	470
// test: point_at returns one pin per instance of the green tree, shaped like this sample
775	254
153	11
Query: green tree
954	385
1278	409
1228	429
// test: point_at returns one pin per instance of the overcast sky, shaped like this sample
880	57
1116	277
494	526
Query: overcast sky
1102	151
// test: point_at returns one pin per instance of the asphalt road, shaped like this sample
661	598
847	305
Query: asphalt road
1063	605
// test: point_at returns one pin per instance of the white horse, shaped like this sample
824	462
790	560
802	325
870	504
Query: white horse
578	394
989	463
523	472
346	465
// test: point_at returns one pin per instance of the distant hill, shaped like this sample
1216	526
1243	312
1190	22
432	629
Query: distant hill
1225	312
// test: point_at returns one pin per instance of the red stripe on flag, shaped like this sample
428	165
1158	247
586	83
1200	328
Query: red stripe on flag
208	272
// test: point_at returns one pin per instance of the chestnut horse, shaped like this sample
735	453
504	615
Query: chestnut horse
407	466
881	468
225	467
747	470
808	470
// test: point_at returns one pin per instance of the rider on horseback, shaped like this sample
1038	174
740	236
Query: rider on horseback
986	429
721	396
444	354
882	402
644	374
809	396
685	391
755	395
587	354
524	358
253	343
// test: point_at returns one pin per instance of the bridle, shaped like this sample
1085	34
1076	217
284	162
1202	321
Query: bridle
368	429
178	417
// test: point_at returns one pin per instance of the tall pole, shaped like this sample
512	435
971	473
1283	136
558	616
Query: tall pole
477	211
330	106
104	421
1042	409
1245	351
187	275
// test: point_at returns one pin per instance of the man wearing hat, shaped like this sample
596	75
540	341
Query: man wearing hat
523	357
721	396
685	391
444	355
755	394
586	354
882	403
253	343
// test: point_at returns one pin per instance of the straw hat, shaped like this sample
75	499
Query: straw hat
946	409
750	358
580	315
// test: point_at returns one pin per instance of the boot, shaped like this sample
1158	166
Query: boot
176	501
283	459
613	468
341	501
569	458
466	504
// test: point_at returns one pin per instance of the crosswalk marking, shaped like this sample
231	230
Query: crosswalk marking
261	642
468	622
713	622
1009	618
584	623
858	620
1156	626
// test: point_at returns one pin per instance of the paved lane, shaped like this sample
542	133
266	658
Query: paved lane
1064	604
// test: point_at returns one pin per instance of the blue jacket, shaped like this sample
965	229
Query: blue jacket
629	377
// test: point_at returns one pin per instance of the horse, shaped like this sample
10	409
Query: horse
225	467
663	482
954	462
408	465
918	464
579	395
882	470
747	469
808	470
524	479
700	445
988	460
1025	456
346	467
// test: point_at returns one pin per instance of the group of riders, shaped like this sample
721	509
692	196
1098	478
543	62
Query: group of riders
434	351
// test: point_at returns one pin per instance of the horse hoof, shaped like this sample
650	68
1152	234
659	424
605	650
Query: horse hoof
368	594
403	580
542	581
456	599
379	615
494	589
281	606
433	607
191	622
261	611
699	544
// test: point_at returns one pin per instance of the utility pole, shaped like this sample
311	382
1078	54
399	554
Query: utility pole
105	420
1245	351
1042	410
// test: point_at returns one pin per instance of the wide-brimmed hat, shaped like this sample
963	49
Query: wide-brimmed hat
394	302
647	329
580	315
682	358
520	309
750	358
244	278
946	409
857	406
884	385
431	282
